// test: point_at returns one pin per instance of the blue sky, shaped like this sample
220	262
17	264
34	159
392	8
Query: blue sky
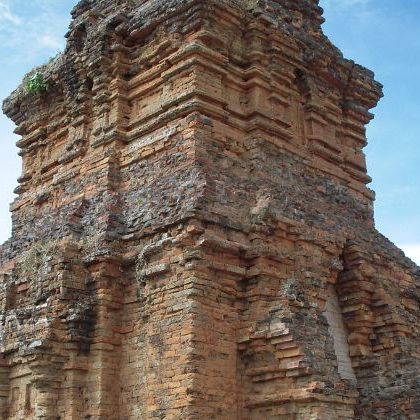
382	35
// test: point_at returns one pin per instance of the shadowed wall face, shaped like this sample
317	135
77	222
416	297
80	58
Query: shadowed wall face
193	233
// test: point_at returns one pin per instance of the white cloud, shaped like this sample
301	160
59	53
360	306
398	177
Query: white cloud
412	251
51	41
27	36
7	16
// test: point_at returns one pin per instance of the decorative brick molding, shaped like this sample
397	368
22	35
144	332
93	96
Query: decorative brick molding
193	235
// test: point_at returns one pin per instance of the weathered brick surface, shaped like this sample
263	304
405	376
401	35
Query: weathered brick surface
193	235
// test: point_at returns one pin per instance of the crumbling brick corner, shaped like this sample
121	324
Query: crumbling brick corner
193	235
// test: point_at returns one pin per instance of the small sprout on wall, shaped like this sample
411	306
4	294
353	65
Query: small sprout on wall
36	84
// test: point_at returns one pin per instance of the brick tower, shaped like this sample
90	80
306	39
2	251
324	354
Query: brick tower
193	237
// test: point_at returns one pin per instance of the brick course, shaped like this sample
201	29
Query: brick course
193	235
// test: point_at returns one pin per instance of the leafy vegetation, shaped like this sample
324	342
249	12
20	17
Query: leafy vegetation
36	84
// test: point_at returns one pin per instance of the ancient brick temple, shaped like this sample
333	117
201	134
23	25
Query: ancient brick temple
193	237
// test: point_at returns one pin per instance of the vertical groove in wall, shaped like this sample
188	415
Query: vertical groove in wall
338	332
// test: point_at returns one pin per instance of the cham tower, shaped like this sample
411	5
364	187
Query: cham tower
193	237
